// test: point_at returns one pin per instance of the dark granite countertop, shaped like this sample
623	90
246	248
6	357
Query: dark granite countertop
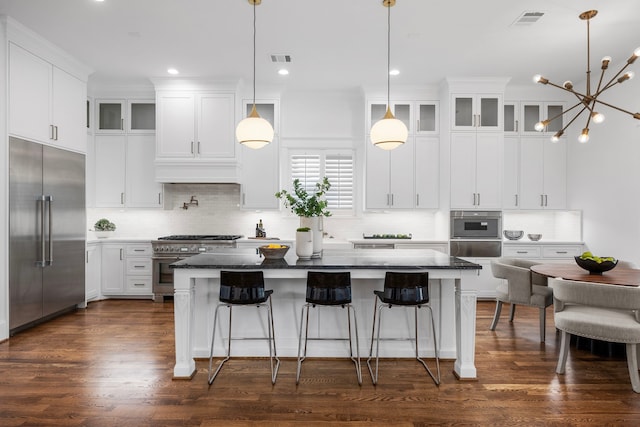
331	259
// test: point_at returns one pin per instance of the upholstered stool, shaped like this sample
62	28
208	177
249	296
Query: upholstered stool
244	288
328	289
404	290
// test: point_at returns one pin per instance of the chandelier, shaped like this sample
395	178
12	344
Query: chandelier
388	133
254	131
589	100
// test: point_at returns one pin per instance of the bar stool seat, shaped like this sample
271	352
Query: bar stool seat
239	288
410	289
328	289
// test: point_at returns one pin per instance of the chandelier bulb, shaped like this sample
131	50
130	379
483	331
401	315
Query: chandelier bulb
626	76
568	85
634	56
597	117
539	79
605	62
539	126
584	136
556	137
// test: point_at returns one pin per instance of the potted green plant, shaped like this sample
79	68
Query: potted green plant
104	228
310	207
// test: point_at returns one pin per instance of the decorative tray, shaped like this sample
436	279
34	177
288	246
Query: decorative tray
387	236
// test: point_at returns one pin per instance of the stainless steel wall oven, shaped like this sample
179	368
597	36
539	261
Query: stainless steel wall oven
476	233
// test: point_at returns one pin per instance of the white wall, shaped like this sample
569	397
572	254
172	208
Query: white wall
604	176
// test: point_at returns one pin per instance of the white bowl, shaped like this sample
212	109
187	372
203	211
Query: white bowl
534	237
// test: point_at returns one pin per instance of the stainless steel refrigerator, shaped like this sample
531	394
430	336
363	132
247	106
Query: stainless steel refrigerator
47	224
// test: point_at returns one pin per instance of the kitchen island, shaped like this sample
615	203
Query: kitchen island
196	284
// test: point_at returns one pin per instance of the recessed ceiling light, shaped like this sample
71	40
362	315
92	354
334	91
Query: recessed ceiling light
283	71
394	72
173	71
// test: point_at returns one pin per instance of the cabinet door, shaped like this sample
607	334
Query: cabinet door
110	115
489	170
402	110
463	170
427	172
510	186
477	112
489	110
215	126
93	271
377	192
401	176
69	111
112	269
531	173
141	116
110	162
510	117
176	125
555	174
484	283
427	117
142	189
29	89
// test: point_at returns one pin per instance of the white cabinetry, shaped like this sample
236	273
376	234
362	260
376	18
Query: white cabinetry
260	168
121	115
46	103
124	171
93	271
195	125
476	170
126	269
511	176
409	176
476	112
196	136
483	282
546	252
543	173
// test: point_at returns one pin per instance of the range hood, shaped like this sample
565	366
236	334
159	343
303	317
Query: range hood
196	171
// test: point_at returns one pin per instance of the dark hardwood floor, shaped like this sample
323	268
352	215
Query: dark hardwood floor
111	365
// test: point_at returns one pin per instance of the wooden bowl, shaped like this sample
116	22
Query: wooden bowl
273	253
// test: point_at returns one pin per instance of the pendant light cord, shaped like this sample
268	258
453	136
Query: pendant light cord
254	54
388	55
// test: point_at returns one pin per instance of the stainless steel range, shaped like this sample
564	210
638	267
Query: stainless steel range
169	249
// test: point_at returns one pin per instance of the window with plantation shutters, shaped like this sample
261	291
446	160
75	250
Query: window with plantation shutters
338	167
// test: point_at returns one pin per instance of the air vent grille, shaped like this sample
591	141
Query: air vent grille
528	18
280	58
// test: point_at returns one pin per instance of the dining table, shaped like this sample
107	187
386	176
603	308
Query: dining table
568	271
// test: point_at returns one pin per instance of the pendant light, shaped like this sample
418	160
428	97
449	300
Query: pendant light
254	131
388	133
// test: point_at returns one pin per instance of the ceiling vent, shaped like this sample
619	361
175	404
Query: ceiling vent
280	58
528	18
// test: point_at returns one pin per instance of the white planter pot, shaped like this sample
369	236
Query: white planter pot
103	234
315	224
304	244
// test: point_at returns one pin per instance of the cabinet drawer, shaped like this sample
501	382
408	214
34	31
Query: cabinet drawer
521	251
139	250
139	266
138	285
568	251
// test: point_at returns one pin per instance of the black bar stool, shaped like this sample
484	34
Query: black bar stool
406	290
328	289
244	288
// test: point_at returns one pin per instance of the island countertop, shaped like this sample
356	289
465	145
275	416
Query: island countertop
331	259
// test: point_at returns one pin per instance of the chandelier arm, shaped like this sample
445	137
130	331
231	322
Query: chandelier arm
613	80
563	113
600	82
573	120
635	115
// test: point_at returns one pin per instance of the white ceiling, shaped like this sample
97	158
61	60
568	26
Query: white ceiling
334	44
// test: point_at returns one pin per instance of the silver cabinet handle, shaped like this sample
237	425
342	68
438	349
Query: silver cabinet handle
138	284
122	198
388	199
244	199
138	250
55	132
191	147
159	198
391	199
561	252
517	126
50	131
522	252
417	200
516	200
43	253
478	199
121	124
121	254
198	151
545	200
542	200
138	266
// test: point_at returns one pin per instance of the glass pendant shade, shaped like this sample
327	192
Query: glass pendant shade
254	131
389	133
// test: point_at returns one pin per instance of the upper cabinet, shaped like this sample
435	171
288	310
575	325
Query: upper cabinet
125	116
260	168
420	117
409	176
476	112
520	117
46	103
196	125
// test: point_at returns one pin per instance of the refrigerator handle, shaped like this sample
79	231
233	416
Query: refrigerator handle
49	261
43	254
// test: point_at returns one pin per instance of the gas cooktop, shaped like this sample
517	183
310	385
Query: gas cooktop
201	237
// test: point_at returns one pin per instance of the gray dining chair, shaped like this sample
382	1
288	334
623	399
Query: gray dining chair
520	286
598	311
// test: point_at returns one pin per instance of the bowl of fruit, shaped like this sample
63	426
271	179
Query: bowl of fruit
273	251
595	264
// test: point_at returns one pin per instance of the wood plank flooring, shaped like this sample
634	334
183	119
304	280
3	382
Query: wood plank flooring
111	365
